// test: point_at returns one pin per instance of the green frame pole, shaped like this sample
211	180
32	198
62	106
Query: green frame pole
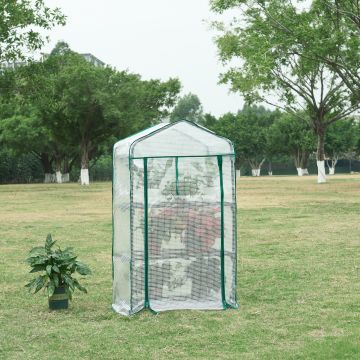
222	251
177	174
146	245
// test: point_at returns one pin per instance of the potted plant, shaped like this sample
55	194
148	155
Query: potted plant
57	267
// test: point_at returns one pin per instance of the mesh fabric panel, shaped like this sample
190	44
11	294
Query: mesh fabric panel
184	250
121	229
184	247
229	229
137	235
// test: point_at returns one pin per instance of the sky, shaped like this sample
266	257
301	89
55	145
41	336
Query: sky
154	38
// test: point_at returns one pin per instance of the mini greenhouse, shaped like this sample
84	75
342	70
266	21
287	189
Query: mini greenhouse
174	220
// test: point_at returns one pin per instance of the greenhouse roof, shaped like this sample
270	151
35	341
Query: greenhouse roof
182	138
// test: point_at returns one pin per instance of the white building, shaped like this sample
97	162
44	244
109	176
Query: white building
90	58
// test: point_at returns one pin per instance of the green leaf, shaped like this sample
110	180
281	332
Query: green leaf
51	288
49	243
56	281
40	283
82	269
80	287
37	268
56	269
48	238
48	269
38	250
69	281
37	260
31	284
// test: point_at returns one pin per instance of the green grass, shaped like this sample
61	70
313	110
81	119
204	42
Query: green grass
298	278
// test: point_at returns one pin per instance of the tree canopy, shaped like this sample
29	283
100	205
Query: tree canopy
188	108
289	136
340	141
276	46
20	24
82	108
248	130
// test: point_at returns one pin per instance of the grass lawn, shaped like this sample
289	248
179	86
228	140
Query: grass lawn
298	278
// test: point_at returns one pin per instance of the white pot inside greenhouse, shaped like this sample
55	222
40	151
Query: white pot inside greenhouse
174	220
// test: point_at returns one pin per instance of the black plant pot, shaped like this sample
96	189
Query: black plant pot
59	300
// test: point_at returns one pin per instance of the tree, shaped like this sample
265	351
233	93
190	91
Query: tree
20	22
98	104
340	47
289	136
35	86
78	109
26	135
208	121
228	126
86	108
188	108
20	129
248	130
340	140
276	43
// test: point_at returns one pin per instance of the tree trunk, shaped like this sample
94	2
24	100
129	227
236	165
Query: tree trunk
297	161
270	168
320	156
304	162
65	175
84	172
301	160
238	174
58	170
331	167
46	164
58	177
256	167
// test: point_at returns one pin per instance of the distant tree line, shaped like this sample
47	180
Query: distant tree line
48	146
260	135
59	117
66	111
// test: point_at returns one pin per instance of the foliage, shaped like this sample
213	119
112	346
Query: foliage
23	134
289	136
20	24
340	139
15	168
277	44
188	108
57	267
208	121
75	110
248	130
339	46
357	142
